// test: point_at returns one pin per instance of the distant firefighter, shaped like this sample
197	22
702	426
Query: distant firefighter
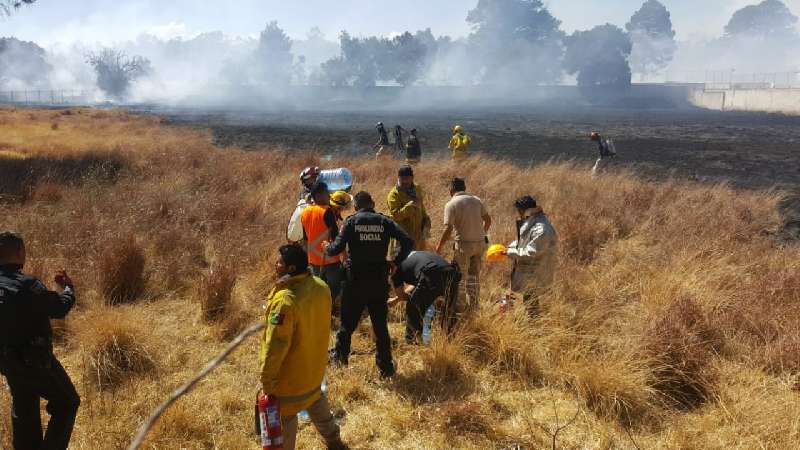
413	149
382	146
606	153
459	143
399	145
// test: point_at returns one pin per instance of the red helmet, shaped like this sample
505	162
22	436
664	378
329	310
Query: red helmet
309	173
595	136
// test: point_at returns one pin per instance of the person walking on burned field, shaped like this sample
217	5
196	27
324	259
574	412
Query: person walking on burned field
534	252
407	207
366	236
294	348
432	277
26	351
382	147
399	145
606	152
413	148
320	226
468	221
459	143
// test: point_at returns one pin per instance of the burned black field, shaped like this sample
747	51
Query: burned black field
745	149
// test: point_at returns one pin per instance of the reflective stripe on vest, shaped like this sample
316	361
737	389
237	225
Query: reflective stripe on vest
299	398
313	219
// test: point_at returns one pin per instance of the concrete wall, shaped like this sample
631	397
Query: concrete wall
785	101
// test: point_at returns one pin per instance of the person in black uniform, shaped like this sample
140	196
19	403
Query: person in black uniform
413	148
383	141
432	277
366	234
399	145
26	351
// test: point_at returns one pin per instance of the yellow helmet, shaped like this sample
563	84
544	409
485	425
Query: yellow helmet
497	253
457	129
341	199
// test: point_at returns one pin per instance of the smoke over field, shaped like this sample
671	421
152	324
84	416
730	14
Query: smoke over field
511	46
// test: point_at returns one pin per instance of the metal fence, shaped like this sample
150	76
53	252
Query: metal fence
47	97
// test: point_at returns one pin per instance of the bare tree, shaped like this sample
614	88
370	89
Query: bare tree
115	70
8	6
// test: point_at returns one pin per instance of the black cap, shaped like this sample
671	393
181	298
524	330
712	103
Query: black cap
525	203
405	171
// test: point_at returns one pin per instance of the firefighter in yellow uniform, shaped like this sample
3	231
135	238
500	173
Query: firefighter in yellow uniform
459	143
294	350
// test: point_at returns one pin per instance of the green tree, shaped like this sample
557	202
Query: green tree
116	71
599	57
273	56
23	62
653	38
768	19
516	41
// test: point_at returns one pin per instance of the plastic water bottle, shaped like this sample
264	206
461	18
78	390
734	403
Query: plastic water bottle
427	322
303	415
337	179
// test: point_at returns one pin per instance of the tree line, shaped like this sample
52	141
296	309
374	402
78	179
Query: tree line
511	43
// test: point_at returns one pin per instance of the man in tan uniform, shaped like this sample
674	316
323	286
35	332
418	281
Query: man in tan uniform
467	221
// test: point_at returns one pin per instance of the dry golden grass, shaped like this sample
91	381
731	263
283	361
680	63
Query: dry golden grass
672	324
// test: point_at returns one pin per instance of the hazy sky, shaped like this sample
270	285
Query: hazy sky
59	21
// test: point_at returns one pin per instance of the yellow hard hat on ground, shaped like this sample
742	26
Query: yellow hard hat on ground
496	253
458	129
341	199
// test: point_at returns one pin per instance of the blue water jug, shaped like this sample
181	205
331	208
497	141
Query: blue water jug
337	179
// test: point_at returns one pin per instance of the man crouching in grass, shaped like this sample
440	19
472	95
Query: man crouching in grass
294	352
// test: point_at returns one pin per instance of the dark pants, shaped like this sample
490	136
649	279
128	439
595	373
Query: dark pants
333	275
28	384
433	283
371	293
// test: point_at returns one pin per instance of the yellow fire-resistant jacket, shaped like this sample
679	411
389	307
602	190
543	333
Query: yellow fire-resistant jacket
412	218
459	145
294	351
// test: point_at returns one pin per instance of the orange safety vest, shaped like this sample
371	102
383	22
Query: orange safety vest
313	219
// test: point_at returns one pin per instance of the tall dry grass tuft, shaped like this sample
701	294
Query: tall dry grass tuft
114	350
179	427
681	345
215	292
462	419
121	271
21	173
441	374
614	387
503	343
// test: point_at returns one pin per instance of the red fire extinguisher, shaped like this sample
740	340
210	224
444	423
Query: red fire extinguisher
269	421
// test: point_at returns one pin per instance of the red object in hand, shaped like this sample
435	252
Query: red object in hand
269	416
62	279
